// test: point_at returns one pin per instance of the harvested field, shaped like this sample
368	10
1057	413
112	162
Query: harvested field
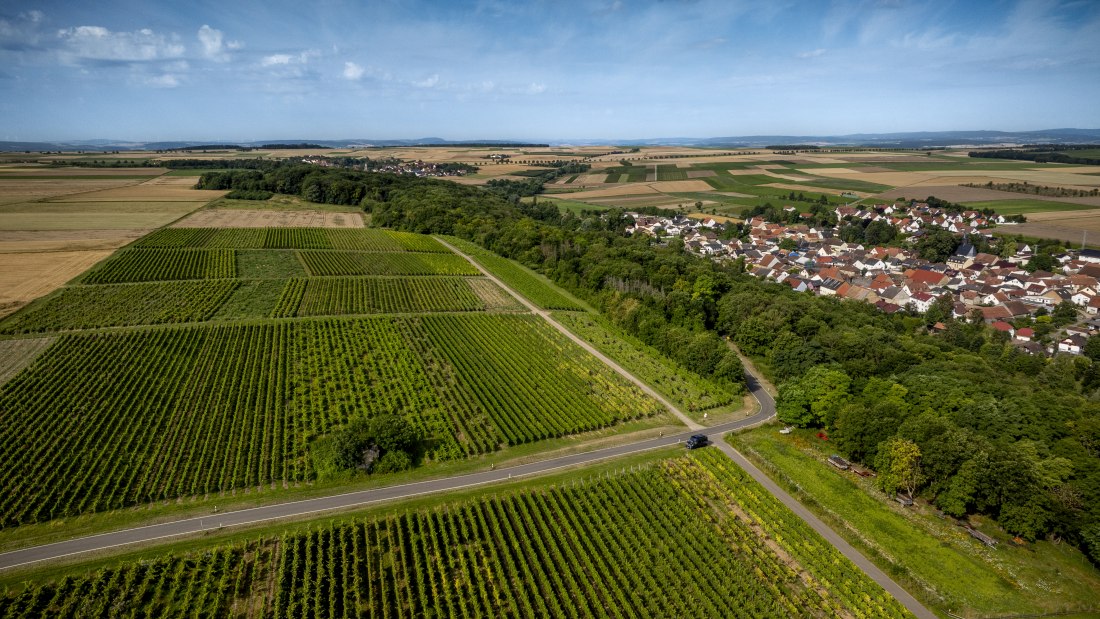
18	354
96	220
1057	177
681	186
22	241
896	179
242	218
590	179
158	190
748	172
832	192
620	190
24	190
719	218
789	177
1071	226
74	172
734	194
701	173
27	276
956	193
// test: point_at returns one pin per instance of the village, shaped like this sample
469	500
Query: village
981	286
394	166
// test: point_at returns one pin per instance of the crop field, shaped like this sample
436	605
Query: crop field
365	239
337	296
27	276
323	263
204	409
144	265
530	285
259	218
691	536
89	307
671	173
1026	205
691	392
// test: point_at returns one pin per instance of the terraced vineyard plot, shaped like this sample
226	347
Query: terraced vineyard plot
333	297
689	390
671	173
297	238
536	290
268	264
363	263
145	265
242	238
533	382
89	307
686	537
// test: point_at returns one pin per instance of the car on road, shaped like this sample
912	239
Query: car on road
697	440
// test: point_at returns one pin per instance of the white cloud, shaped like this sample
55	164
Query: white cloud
427	82
288	59
98	43
214	45
534	89
163	81
352	71
275	59
813	54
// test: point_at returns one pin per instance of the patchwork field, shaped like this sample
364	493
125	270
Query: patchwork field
27	276
1073	226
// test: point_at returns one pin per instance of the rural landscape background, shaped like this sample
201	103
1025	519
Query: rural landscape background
711	309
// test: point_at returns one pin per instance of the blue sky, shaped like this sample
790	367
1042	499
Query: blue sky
241	70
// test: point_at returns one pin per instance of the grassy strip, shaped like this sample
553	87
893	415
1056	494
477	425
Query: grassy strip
930	557
1027	205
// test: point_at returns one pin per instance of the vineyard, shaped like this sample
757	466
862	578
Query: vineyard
145	265
692	536
687	389
88	307
359	239
537	291
106	420
324	263
337	296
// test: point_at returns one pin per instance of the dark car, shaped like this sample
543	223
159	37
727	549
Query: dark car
697	440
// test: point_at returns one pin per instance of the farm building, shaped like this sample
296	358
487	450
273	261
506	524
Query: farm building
839	462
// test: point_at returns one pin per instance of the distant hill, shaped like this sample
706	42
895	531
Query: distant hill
917	139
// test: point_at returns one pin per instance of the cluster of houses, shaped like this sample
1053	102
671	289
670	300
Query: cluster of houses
814	260
396	166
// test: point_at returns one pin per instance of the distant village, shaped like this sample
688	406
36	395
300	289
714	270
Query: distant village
999	290
394	166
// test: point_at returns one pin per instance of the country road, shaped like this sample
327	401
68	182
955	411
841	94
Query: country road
298	509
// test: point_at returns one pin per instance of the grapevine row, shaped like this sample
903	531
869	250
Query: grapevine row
363	263
686	537
520	279
143	265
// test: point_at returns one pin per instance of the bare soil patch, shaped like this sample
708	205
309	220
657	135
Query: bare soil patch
25	277
494	297
1072	226
18	354
244	218
628	189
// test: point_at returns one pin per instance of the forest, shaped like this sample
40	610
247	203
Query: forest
962	418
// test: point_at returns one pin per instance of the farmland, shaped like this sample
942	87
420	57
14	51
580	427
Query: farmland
144	265
209	409
320	263
336	296
687	536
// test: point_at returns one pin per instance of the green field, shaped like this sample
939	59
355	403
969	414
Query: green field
692	393
936	561
376	295
358	239
115	419
1026	205
691	536
146	265
575	207
531	285
671	173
